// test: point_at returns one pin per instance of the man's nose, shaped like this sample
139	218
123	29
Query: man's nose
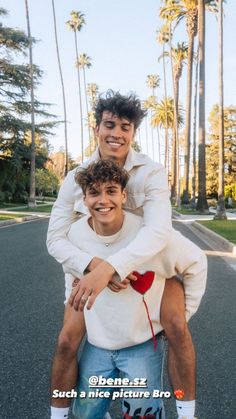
103	198
116	131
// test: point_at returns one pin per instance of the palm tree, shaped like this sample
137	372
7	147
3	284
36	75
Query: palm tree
62	88
75	24
164	116
153	81
194	166
163	36
202	204
32	201
178	56
220	210
176	10
92	94
83	62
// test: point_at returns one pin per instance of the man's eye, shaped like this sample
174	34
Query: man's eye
125	128
109	125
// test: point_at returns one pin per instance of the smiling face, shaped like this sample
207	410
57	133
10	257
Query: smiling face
115	136
104	202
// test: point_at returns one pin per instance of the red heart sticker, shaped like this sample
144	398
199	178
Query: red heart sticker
144	281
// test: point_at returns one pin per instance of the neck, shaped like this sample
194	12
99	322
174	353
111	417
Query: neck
106	229
119	162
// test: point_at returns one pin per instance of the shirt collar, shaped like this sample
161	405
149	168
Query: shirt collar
133	159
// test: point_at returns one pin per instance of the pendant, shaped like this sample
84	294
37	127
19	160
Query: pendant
106	244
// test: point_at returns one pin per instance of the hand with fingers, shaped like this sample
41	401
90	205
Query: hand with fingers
116	286
90	285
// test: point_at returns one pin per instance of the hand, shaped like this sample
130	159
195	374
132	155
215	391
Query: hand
116	286
93	264
90	285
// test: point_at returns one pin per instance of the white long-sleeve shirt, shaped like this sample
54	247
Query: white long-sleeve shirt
119	320
148	196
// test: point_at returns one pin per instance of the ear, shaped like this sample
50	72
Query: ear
96	130
124	196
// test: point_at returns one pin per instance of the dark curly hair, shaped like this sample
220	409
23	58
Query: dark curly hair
128	107
101	172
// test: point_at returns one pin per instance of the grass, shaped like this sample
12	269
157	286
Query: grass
188	211
4	217
39	208
226	228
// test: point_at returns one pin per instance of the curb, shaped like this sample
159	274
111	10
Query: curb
221	241
21	220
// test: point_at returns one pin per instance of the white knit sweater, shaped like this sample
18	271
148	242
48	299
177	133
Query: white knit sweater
119	320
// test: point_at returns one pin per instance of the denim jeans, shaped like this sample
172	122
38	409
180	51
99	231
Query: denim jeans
139	361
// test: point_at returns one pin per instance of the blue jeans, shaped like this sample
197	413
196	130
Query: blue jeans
139	361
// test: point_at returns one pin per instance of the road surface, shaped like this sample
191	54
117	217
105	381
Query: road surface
31	287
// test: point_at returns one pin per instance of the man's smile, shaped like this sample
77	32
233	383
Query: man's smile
104	210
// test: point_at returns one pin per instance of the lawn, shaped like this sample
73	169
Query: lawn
39	208
4	217
226	228
189	211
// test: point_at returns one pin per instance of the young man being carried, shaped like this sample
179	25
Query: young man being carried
120	333
118	118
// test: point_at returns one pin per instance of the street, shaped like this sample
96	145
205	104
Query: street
32	292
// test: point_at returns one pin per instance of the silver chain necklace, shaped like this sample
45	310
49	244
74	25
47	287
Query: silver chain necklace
117	235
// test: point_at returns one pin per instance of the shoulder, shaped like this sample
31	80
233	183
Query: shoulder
132	221
80	226
142	160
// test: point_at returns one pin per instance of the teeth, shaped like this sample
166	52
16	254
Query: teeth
104	209
114	144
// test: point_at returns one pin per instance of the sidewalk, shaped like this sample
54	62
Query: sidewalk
219	245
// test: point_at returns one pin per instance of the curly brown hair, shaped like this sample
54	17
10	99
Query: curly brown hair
100	172
128	107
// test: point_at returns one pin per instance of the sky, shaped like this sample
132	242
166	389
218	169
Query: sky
120	38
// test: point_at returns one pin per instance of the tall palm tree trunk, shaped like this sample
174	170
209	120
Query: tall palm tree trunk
165	96
32	201
185	199
87	108
194	166
202	205
80	100
175	124
220	210
62	88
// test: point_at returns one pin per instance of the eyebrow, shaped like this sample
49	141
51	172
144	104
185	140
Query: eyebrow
113	122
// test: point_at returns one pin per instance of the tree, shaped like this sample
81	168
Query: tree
220	210
176	10
32	200
62	88
75	24
92	94
163	36
202	205
15	109
212	149
153	81
46	182
178	56
84	61
164	114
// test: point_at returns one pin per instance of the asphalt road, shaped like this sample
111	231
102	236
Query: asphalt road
32	288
